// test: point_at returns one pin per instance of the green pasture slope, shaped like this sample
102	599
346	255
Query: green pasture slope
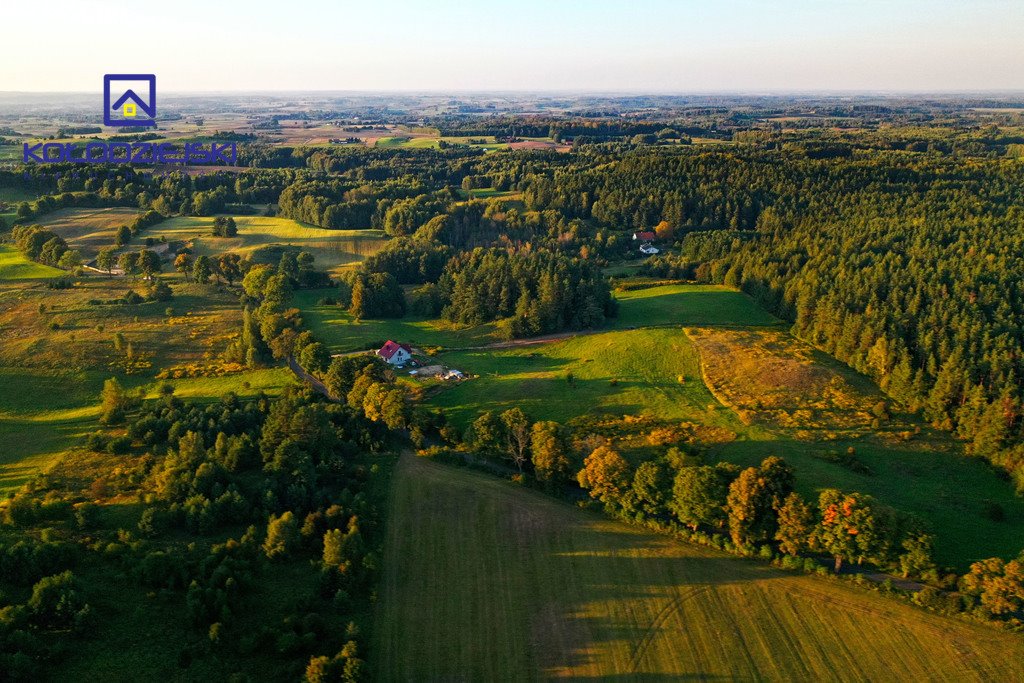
14	266
628	370
682	305
41	415
690	306
625	371
484	580
342	333
952	492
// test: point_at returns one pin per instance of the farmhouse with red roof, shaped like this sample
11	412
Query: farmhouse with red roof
644	236
395	353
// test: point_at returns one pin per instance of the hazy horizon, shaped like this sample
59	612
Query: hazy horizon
600	47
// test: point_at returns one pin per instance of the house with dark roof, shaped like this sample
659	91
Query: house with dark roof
395	353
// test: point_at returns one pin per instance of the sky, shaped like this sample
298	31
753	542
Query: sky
667	46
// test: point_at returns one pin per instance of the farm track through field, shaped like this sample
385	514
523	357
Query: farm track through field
659	620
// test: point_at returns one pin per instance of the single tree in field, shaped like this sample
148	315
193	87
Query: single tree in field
796	525
549	454
754	498
652	488
606	475
201	269
230	267
128	262
114	402
486	434
394	408
123	236
106	259
517	436
289	267
183	265
359	304
149	263
70	259
917	558
224	226
334	555
315	358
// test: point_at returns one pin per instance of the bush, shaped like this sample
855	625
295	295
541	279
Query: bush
96	441
119	445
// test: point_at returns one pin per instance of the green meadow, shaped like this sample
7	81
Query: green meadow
342	333
14	266
689	305
656	373
650	372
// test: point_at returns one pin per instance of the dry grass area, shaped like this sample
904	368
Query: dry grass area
58	349
334	250
88	230
772	379
61	330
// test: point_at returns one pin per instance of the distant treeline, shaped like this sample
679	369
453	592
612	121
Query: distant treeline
508	127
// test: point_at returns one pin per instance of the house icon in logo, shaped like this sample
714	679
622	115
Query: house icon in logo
124	111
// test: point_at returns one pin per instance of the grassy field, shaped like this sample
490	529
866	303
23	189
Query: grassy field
684	304
14	266
11	196
341	332
332	249
769	395
773	379
430	142
800	404
487	581
88	230
664	305
628	372
41	414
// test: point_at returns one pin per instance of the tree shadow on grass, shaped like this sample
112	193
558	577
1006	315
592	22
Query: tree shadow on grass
551	590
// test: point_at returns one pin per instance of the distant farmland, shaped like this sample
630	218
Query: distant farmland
486	581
